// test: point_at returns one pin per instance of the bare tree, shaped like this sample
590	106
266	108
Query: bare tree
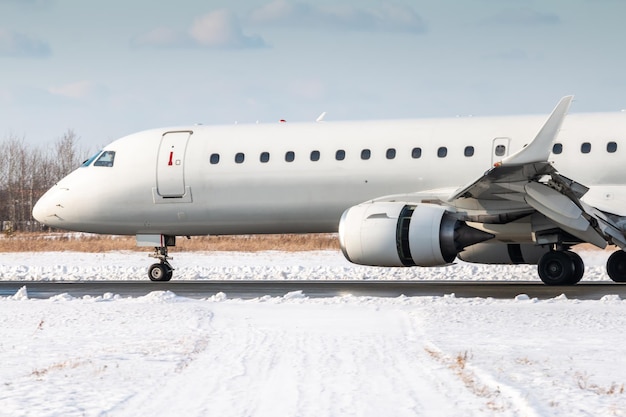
26	173
67	155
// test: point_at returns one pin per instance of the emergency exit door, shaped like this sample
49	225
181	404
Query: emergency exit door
171	164
499	149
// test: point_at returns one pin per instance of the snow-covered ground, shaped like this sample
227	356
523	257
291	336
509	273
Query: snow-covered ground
271	265
164	355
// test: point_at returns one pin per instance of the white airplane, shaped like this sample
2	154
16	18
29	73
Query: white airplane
400	193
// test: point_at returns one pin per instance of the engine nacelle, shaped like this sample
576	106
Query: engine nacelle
401	234
503	253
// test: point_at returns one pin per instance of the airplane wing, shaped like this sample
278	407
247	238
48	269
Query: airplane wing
528	178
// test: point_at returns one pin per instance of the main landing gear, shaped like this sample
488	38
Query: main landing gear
561	268
564	267
616	266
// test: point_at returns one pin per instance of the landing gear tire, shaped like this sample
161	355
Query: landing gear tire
579	267
160	272
560	268
616	266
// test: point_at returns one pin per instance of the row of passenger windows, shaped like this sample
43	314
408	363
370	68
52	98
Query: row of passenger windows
585	147
340	155
416	153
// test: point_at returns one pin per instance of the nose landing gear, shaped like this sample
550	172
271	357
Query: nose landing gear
161	271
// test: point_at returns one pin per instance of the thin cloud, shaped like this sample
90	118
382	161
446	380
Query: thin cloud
523	17
309	89
219	29
77	90
19	45
388	17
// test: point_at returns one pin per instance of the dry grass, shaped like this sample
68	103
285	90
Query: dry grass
105	243
584	383
459	365
79	242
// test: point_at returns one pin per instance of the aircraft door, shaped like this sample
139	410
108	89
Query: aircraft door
171	164
499	149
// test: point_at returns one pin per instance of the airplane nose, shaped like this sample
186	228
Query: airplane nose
45	209
39	211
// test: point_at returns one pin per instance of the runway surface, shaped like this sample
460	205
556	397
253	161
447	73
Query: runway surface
315	289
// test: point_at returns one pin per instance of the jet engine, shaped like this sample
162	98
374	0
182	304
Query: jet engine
504	253
401	234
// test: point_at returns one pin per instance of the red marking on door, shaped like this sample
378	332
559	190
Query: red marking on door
171	156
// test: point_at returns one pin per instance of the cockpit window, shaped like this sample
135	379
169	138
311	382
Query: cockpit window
90	160
105	159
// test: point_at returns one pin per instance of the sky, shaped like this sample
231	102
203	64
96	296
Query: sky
108	69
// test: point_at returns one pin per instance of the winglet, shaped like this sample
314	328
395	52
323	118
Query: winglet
539	149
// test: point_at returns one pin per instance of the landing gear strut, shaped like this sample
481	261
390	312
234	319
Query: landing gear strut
161	271
560	267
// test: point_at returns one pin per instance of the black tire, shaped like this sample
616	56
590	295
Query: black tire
557	268
616	266
170	272
160	272
579	267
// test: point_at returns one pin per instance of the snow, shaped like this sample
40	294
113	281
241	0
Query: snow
270	265
164	355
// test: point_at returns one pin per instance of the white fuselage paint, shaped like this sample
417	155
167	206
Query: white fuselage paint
163	182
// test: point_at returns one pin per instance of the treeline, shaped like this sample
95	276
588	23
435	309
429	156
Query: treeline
26	172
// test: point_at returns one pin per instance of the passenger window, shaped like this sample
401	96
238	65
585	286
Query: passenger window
469	151
290	156
442	152
315	156
265	156
340	155
366	154
611	147
215	158
557	148
105	159
585	147
500	150
391	153
239	157
416	153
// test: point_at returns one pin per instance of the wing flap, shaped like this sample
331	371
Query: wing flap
555	206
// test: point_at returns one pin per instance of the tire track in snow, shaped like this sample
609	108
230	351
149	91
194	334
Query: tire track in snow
489	394
336	361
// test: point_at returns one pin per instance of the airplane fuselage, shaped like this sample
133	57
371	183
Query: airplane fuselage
300	177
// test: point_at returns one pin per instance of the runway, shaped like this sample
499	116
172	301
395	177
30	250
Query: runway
315	289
